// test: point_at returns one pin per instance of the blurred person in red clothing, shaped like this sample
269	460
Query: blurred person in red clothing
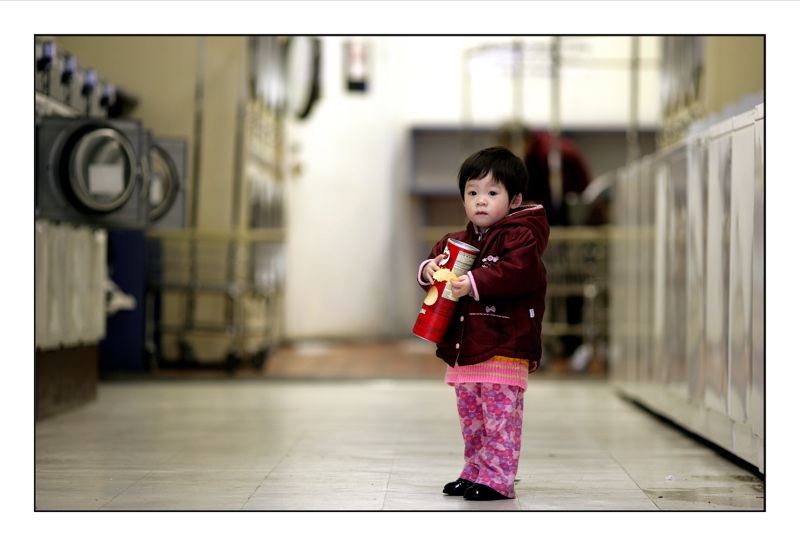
539	149
542	153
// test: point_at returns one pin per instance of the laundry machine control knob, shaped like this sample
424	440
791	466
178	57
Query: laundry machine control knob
89	83
46	59
109	96
69	70
43	64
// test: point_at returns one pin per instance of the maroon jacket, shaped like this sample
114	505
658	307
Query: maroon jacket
504	315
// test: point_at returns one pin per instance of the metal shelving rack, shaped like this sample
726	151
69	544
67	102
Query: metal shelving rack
218	295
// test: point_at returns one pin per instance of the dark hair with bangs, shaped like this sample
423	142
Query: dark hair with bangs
508	169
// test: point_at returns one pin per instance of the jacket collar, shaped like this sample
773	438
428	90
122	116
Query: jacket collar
524	213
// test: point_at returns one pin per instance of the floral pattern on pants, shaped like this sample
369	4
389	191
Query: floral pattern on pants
491	424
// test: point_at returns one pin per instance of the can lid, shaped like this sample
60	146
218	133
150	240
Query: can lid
463	245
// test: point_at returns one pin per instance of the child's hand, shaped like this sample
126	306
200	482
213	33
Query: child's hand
432	267
461	287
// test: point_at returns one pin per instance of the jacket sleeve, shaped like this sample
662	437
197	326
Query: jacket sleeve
518	269
437	249
422	282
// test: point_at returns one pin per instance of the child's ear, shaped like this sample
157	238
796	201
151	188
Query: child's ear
516	201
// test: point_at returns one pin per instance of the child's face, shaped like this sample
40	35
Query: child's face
486	201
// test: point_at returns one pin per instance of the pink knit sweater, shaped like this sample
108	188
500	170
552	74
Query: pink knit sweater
498	369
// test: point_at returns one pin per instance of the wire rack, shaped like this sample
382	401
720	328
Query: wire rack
214	298
577	304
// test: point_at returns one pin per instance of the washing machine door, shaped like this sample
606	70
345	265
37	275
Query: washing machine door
99	170
165	183
91	171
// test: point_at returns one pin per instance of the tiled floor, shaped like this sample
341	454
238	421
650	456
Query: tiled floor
276	443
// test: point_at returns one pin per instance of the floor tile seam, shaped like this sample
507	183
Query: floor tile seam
638	485
136	481
395	451
276	465
386	490
257	487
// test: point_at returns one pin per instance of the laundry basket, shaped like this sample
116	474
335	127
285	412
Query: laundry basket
214	298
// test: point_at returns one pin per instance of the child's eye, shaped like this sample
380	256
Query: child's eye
472	193
492	193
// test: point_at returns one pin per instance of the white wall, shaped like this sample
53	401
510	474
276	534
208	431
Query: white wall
340	206
350	263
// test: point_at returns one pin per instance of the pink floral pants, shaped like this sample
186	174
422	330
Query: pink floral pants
491	423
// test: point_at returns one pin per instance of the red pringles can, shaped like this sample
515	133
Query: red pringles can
440	304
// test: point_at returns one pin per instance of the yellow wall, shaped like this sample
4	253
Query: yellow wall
159	70
734	68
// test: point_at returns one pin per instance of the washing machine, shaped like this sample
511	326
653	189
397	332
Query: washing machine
92	171
167	188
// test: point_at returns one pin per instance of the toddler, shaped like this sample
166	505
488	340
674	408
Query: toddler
494	339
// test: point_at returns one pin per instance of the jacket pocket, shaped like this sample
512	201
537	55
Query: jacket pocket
492	327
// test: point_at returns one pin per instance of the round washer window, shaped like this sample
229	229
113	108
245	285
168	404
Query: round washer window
164	183
102	170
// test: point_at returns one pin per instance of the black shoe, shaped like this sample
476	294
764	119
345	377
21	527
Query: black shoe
457	487
479	492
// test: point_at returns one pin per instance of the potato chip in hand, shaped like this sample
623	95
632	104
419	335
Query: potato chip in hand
444	275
